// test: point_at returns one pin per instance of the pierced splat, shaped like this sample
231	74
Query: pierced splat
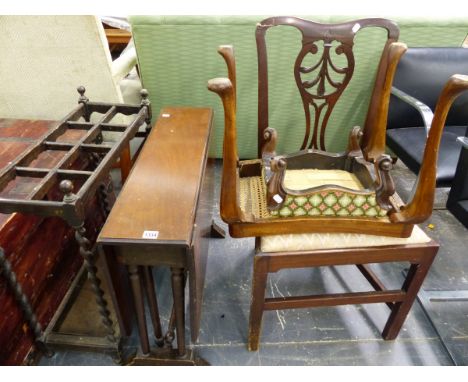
322	70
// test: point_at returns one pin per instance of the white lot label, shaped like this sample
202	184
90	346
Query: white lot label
150	234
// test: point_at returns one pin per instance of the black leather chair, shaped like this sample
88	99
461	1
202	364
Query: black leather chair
457	202
422	74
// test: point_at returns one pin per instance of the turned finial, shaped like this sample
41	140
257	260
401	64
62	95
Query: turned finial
385	163
66	187
145	102
278	164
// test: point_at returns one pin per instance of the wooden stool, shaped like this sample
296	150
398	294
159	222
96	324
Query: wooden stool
277	252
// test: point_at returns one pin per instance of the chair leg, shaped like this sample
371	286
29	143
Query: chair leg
259	279
416	275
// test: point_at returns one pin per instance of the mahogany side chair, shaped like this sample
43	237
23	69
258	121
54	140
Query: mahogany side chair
316	208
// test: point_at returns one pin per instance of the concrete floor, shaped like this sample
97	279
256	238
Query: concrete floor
435	332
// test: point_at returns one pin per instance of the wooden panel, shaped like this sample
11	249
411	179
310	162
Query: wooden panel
43	252
177	145
16	135
23	129
296	302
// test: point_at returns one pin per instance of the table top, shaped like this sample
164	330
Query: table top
17	136
117	36
65	187
157	204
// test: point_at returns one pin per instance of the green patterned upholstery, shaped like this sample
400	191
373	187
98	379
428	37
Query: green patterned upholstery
177	55
328	200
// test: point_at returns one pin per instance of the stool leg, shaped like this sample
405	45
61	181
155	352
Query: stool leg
150	290
169	336
177	276
259	279
135	283
416	275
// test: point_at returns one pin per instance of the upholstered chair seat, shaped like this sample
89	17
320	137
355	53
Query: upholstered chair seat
318	241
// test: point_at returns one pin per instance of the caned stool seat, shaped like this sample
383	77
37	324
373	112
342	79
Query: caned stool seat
313	207
311	177
320	203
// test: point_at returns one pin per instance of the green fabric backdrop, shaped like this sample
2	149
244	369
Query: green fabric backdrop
177	55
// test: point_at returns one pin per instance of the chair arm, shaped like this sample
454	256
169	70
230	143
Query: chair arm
422	108
124	64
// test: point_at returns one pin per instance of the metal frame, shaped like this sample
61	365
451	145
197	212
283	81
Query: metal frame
72	208
425	111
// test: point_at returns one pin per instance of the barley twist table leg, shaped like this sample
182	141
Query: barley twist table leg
23	301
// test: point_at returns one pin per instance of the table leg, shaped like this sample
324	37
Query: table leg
135	283
177	278
150	289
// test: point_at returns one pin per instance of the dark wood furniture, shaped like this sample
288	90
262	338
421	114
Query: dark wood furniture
423	119
378	209
163	218
315	222
61	175
117	39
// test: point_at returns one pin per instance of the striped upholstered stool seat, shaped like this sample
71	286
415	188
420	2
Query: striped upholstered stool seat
318	241
276	252
344	196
